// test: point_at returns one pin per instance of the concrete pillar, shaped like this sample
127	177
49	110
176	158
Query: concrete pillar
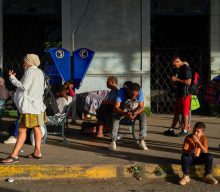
145	50
67	36
215	38
1	35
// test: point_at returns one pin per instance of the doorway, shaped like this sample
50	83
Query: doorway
29	27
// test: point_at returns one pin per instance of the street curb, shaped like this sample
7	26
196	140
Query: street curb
138	171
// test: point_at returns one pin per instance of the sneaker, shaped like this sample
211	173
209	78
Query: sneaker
184	180
210	179
10	140
181	133
112	147
169	132
142	145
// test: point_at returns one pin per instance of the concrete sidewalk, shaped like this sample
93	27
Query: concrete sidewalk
88	157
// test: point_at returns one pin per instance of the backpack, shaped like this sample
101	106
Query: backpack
50	102
195	84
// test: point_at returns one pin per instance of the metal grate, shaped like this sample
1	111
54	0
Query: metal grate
162	95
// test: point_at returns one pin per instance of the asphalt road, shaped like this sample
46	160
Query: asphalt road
110	185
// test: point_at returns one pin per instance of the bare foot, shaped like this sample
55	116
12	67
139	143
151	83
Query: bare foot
99	135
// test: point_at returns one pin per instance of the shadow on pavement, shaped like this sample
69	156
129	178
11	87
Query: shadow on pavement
129	156
8	190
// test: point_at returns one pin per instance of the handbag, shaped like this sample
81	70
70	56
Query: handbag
194	103
50	101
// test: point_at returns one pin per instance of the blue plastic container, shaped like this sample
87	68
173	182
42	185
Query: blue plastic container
60	66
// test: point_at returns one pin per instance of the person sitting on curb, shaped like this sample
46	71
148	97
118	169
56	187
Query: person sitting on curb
195	151
130	104
104	112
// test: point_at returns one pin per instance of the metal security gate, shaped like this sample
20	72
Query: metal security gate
162	94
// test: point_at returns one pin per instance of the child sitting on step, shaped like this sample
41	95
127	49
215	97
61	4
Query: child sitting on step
195	152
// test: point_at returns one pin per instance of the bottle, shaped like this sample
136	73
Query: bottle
197	150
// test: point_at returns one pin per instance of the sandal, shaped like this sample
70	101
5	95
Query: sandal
33	156
10	160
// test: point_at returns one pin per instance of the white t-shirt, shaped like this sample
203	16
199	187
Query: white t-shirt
62	103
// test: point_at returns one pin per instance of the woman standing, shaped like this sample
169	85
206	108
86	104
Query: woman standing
29	101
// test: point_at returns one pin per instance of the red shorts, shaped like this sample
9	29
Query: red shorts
182	105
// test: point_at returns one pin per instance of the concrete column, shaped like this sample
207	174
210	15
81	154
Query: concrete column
1	35
145	48
67	37
215	38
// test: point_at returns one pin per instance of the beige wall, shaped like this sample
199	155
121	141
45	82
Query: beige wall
215	38
119	33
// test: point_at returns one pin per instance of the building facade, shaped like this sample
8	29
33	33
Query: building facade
133	40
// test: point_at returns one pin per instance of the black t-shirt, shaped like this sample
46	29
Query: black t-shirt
183	73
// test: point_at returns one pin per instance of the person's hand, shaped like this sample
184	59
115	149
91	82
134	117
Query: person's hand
133	116
196	152
128	114
174	78
195	139
11	72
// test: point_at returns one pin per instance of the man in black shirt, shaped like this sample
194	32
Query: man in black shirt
181	80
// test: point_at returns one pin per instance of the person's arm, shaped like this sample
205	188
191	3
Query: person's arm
140	107
139	110
71	92
186	146
118	110
27	80
185	81
203	146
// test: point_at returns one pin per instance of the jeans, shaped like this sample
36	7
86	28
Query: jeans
142	125
15	132
189	159
13	129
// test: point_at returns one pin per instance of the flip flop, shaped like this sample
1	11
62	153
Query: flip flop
33	156
10	160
